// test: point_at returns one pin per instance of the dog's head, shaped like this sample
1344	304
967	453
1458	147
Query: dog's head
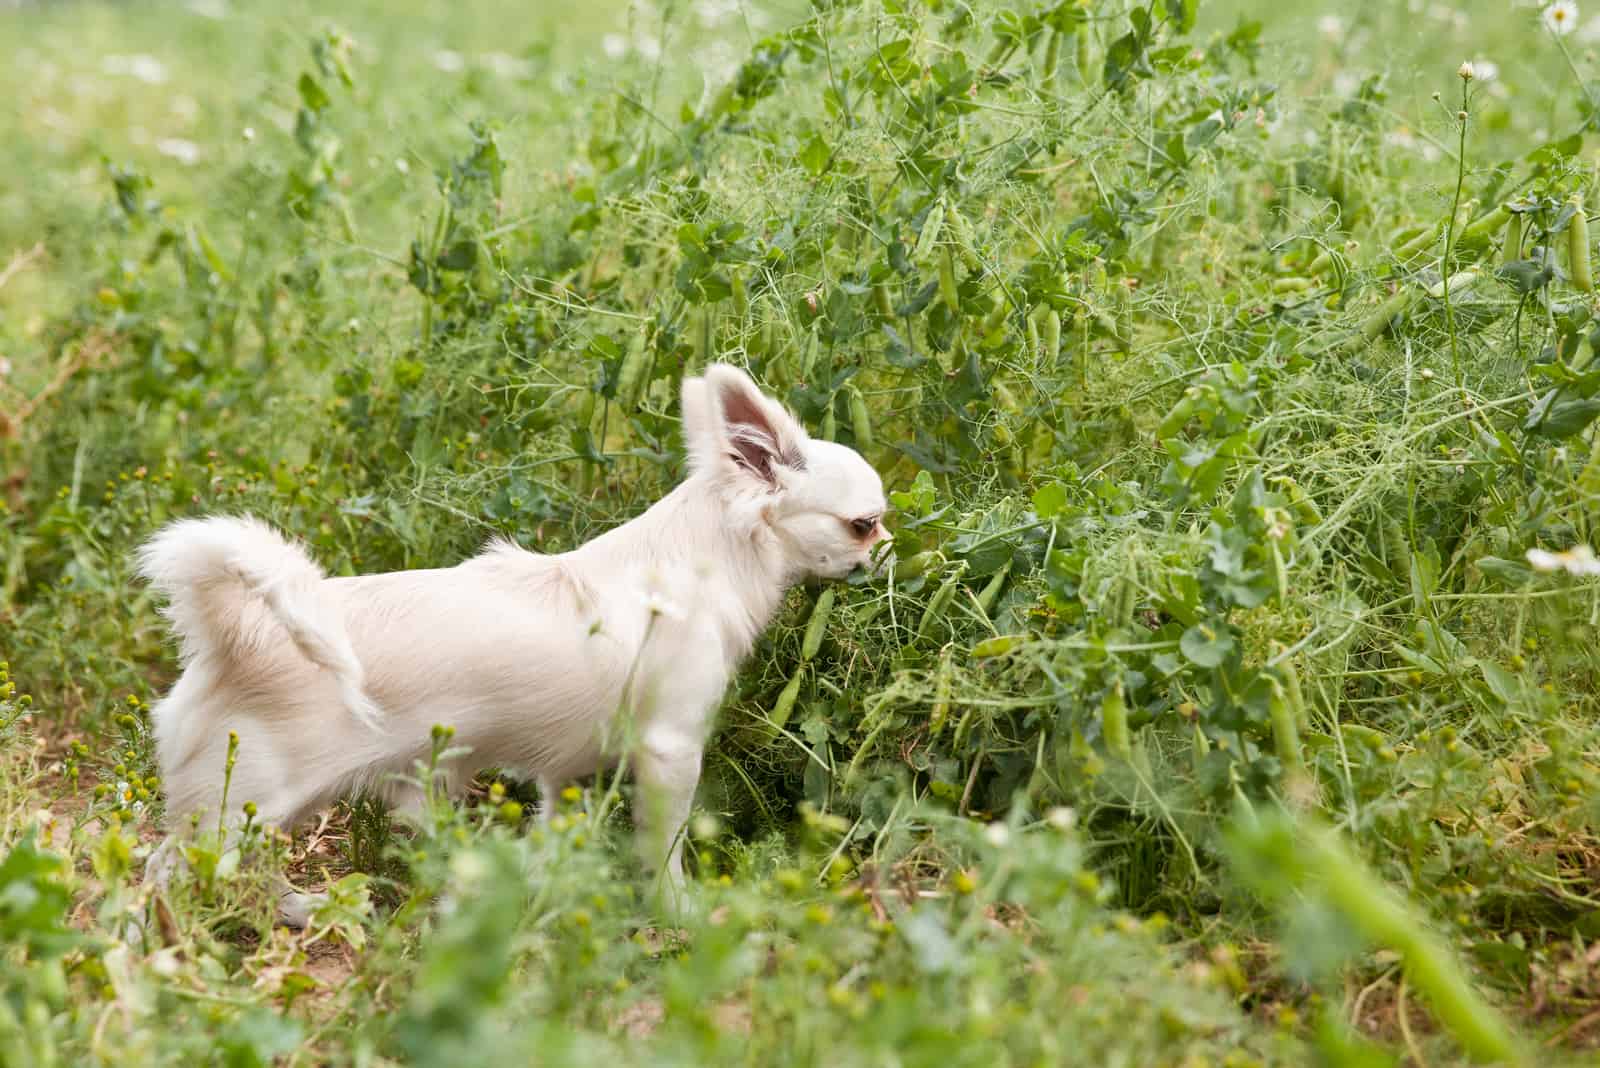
822	501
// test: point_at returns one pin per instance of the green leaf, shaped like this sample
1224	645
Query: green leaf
1525	276
918	500
460	256
312	95
1049	500
1206	645
1203	132
1506	572
1419	660
1555	419
1502	683
815	155
34	899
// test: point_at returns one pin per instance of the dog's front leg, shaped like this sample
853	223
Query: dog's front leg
668	761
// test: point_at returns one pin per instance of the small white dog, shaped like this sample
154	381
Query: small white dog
334	684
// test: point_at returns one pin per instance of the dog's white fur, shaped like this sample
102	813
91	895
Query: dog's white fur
334	684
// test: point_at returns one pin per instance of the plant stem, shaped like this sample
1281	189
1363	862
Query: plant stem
1450	239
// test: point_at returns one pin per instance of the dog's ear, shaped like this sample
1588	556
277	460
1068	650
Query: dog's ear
730	426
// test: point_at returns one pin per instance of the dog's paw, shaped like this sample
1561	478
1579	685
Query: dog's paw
296	909
677	901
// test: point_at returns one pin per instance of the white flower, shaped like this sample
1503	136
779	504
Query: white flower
1485	70
1465	71
185	152
448	61
614	45
1561	17
1061	818
1330	26
712	12
1578	560
146	69
505	66
998	834
658	604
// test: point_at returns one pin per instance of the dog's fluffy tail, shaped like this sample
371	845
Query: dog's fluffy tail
210	570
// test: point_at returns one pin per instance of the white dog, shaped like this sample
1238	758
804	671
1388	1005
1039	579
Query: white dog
334	684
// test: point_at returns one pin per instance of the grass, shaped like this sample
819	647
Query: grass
1217	711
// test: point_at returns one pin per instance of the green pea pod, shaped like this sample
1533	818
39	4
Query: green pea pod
1376	323
912	566
741	299
1114	723
1199	747
1460	282
830	425
999	645
1319	263
931	228
1321	859
880	297
1085	55
1402	234
1420	242
1051	334
1291	690
962	727
1578	247
808	355
630	379
997	314
947	280
1052	59
1480	230
991	591
941	693
818	625
860	418
939	603
786	699
1033	338
1285	732
1511	244
961	230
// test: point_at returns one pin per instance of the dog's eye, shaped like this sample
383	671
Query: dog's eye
863	527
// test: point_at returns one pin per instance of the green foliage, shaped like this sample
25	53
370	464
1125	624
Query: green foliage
1221	383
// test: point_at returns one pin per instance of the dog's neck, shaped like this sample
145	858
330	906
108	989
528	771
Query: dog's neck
710	530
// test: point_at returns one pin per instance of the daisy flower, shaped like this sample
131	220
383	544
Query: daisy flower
1561	17
1579	560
